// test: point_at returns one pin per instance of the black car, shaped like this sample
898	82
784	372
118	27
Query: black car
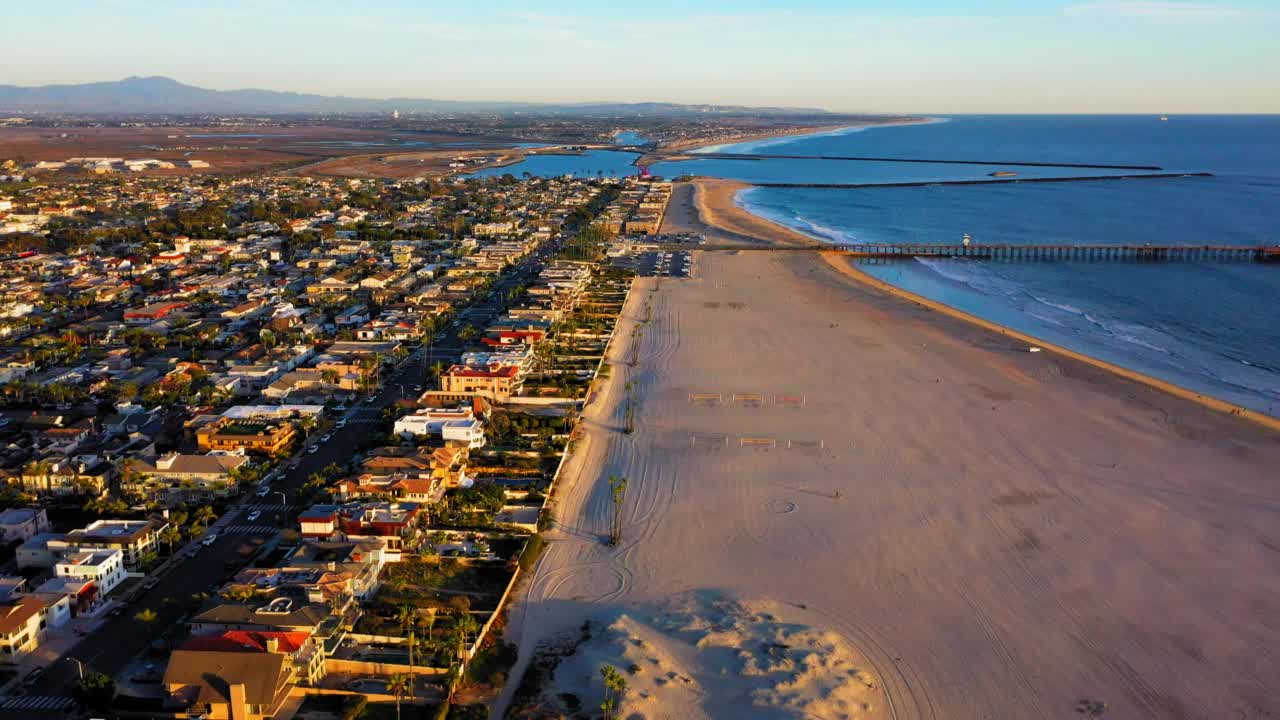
33	677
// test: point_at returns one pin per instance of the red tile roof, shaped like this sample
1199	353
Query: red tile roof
247	641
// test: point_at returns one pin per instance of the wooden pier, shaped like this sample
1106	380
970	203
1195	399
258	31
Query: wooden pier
1022	253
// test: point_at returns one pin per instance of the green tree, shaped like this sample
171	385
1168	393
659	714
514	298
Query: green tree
203	516
400	685
170	536
148	618
95	691
614	687
618	493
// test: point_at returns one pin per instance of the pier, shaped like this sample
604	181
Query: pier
1021	253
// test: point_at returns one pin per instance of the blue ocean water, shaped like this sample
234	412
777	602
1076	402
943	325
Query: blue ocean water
1211	327
592	163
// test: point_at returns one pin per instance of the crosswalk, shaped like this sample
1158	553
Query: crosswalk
38	702
250	530
267	507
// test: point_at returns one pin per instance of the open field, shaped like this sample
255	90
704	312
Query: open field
827	481
236	149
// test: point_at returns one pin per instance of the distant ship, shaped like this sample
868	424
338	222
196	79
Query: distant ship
1164	118
1003	173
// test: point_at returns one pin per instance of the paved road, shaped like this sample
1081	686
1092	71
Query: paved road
116	643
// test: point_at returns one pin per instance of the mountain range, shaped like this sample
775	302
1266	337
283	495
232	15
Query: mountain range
162	95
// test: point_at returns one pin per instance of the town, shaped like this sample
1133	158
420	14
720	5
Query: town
279	444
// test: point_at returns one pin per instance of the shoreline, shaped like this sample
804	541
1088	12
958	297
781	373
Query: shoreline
728	215
688	149
904	492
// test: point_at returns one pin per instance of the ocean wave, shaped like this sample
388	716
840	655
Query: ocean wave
1059	306
830	233
972	275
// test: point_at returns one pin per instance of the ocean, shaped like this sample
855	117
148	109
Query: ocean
1210	327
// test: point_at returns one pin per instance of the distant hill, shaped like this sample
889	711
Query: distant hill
162	95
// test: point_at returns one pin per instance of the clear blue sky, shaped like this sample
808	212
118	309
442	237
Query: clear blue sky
933	56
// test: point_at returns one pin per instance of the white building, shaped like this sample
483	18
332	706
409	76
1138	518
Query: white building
453	424
104	567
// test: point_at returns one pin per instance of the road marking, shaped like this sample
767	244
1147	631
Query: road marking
37	702
250	530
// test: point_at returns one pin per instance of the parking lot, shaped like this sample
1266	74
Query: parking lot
655	263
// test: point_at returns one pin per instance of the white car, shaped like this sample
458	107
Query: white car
264	491
313	449
209	539
325	437
341	423
253	515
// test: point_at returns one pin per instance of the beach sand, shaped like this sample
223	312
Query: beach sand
824	472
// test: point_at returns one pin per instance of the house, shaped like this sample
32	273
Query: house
22	627
458	425
132	538
36	553
177	477
18	525
495	382
221	685
389	522
152	313
305	654
104	568
287	612
262	437
83	475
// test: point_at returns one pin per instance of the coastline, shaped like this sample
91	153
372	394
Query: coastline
688	149
719	209
896	490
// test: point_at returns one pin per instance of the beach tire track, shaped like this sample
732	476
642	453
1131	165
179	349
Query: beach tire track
906	695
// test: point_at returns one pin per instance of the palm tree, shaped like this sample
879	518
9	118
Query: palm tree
451	679
614	686
148	618
407	619
430	622
170	536
204	515
400	685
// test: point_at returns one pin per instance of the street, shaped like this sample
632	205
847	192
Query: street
112	647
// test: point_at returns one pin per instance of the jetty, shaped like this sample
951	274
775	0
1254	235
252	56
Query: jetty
984	181
931	161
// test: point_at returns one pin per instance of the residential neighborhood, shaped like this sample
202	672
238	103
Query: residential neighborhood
273	445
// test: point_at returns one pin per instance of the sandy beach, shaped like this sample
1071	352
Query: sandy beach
845	504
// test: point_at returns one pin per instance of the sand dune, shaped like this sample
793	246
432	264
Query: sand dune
984	532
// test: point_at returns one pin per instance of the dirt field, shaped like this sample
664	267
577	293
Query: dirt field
239	150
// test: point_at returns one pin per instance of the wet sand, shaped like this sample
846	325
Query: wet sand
979	531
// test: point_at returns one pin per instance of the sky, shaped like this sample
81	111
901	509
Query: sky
931	56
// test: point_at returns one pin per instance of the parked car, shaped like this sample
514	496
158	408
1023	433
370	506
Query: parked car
313	449
325	437
263	491
33	677
253	515
209	539
151	583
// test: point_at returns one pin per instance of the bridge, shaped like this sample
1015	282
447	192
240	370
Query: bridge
1016	253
